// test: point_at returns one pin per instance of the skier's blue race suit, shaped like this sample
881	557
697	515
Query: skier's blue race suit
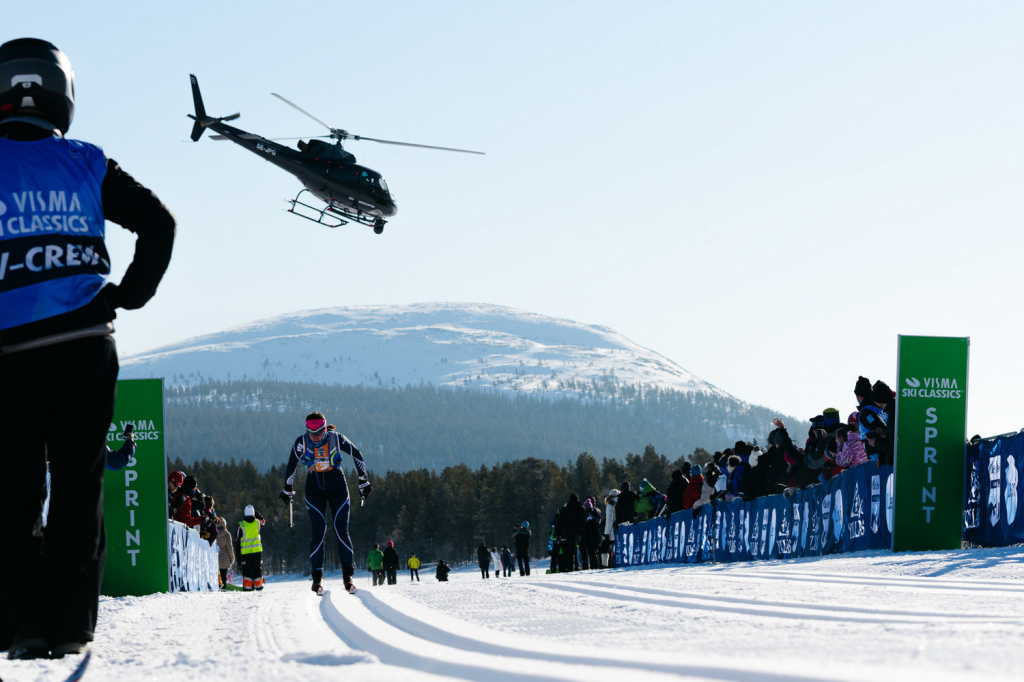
326	483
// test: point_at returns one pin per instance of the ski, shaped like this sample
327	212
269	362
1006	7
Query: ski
79	670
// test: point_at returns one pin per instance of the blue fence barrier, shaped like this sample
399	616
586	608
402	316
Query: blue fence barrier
849	513
193	564
994	476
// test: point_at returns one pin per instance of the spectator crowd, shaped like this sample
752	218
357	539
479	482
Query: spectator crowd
582	537
187	504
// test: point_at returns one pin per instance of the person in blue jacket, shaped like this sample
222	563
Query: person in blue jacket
58	361
319	451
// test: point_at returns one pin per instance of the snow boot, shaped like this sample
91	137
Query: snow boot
318	582
346	572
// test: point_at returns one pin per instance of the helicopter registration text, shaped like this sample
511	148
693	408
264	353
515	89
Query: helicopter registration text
265	149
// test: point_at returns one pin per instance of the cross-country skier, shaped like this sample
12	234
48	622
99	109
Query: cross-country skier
58	361
319	451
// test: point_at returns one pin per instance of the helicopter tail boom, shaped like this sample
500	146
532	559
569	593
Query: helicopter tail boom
197	98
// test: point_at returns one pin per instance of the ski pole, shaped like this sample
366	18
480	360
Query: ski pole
291	517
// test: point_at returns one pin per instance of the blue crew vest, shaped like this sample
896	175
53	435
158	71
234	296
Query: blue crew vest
52	256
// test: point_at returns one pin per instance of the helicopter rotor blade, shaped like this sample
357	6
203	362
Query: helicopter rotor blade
296	106
421	146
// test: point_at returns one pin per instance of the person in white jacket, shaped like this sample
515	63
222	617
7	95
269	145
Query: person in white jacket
609	527
709	491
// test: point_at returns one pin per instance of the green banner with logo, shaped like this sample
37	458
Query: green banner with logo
931	426
135	498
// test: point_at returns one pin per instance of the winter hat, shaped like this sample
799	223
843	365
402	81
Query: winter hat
881	393
189	483
526	524
573	497
755	455
613	494
863	387
177	478
587	504
695	470
686	468
854	419
625	486
831	417
391	543
249	511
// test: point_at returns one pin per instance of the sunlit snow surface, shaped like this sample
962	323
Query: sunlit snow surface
868	616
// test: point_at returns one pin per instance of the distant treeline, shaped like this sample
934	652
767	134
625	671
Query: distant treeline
442	515
429	428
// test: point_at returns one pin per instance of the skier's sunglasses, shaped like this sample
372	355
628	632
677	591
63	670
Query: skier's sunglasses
316	428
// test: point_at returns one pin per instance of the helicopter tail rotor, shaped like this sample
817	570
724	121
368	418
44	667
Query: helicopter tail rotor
202	121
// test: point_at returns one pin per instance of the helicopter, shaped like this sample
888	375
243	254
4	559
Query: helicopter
351	192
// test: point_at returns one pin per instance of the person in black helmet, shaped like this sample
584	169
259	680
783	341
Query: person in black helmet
319	451
58	362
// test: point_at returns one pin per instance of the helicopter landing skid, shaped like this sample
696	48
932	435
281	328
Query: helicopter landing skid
332	215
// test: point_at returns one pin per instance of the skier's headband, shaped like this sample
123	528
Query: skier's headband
316	428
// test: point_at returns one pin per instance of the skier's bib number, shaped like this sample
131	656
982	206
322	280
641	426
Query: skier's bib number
321	459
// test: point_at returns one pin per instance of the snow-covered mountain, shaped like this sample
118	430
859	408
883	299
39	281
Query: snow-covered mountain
471	345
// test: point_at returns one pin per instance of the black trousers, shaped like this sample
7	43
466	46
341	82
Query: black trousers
414	574
392	574
56	404
252	571
322	489
567	559
523	557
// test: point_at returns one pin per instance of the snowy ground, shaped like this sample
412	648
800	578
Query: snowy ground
868	616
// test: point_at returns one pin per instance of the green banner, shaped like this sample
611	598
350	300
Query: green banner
135	498
931	426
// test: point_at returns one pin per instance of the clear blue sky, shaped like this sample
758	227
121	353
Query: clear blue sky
766	193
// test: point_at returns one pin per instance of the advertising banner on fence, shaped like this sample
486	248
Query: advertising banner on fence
995	470
135	498
931	424
844	514
193	560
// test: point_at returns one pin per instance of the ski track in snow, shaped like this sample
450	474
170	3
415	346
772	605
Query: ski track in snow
878	616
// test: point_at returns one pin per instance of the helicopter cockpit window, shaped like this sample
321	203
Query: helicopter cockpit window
383	185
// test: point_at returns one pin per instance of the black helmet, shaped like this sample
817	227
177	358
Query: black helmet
35	74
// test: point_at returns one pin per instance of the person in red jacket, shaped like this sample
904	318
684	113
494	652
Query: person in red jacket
693	488
183	507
